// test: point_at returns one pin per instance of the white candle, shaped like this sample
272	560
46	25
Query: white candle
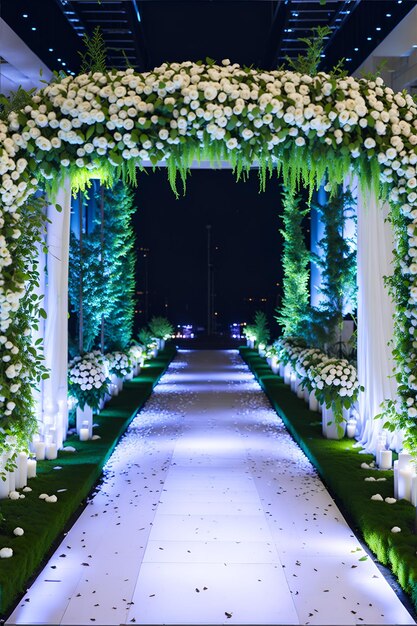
49	439
4	487
385	459
31	468
395	479
39	447
414	490
405	478
22	470
51	451
84	434
351	429
404	460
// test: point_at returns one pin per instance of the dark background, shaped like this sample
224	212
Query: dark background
245	247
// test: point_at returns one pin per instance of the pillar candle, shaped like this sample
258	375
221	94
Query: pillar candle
414	490
40	450
4	487
51	451
385	459
84	434
351	429
31	465
405	477
21	470
396	479
404	460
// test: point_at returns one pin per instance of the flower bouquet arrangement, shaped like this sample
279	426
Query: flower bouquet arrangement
307	359
288	349
120	363
135	353
336	385
88	379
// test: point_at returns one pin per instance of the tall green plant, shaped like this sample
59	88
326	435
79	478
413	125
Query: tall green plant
261	328
337	264
106	272
295	263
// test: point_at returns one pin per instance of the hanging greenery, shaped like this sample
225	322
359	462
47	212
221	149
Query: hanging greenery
104	265
119	260
295	263
323	325
86	288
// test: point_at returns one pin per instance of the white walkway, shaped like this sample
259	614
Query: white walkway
210	514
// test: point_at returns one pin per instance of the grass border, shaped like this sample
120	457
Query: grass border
338	464
44	523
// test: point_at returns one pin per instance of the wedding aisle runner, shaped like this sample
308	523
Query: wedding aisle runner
209	513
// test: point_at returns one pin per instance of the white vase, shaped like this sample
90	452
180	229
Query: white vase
300	389
269	361
287	374
119	383
282	370
330	429
162	344
313	403
306	395
275	365
129	375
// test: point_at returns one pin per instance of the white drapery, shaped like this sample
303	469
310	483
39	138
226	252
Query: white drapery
53	409
375	318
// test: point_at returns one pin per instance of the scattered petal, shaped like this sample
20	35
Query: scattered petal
377	496
18	531
395	529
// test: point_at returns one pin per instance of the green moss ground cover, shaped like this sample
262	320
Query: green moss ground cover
339	465
44	522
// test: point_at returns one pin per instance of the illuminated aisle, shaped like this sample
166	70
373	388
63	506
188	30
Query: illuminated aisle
209	513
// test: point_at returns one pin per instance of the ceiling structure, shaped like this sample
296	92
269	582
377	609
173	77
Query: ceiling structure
145	33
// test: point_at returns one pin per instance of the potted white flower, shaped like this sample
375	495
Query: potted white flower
88	382
336	386
306	360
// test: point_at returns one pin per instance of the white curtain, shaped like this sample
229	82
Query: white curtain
375	317
55	389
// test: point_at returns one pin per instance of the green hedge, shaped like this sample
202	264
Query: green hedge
44	523
339	465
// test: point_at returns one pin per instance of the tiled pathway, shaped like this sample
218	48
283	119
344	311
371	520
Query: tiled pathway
209	513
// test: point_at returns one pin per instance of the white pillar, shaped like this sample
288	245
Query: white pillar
55	388
375	315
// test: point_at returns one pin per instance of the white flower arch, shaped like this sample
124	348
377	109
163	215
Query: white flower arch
106	125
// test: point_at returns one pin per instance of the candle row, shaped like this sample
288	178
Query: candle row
16	479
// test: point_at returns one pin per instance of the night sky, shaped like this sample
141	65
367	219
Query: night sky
246	246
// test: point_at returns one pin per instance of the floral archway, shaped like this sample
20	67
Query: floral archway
105	125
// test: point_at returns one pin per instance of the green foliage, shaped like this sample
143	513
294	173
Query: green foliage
161	328
145	337
295	263
309	61
261	329
94	57
107	267
323	325
19	423
15	101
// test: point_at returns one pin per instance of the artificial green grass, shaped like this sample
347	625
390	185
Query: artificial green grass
339	465
44	522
